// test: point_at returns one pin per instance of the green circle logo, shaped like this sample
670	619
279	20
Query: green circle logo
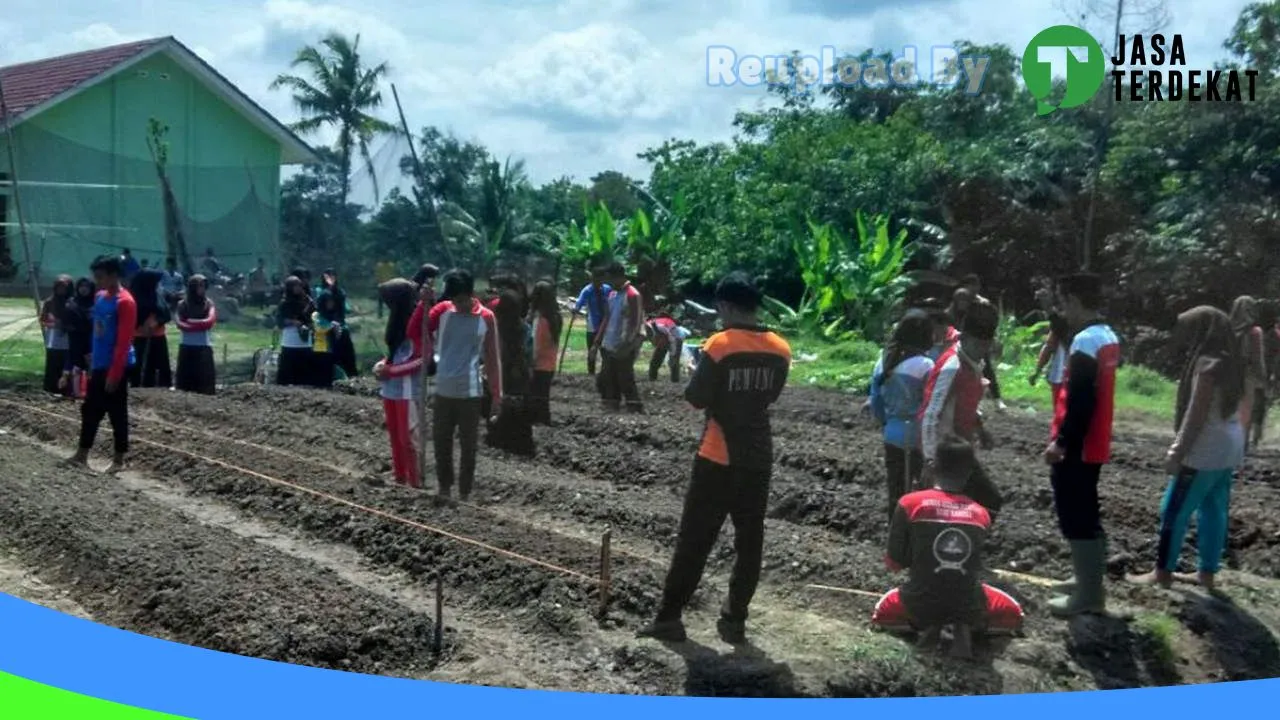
1065	51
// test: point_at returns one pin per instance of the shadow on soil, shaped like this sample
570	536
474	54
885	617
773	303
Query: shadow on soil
746	671
1243	646
1116	655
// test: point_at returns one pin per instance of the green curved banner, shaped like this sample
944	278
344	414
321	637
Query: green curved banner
22	699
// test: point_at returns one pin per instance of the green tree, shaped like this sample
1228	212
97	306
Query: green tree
340	92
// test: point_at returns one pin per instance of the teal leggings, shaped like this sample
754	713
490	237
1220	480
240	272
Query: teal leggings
1206	493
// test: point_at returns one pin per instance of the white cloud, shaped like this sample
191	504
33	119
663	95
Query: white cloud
572	86
600	72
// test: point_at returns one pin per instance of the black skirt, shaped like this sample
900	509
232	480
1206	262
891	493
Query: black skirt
344	351
151	367
197	372
512	430
322	364
54	362
294	366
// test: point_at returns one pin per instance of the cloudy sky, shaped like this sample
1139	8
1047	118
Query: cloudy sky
571	86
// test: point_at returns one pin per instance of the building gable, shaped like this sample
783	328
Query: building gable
35	87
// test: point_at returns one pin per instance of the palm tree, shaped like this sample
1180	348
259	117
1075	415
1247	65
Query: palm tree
341	92
494	225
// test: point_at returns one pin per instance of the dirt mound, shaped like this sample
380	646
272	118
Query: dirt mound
142	566
521	560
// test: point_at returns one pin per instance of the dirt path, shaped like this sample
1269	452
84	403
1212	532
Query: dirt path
515	623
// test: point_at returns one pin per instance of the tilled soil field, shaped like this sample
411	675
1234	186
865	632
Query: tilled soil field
262	522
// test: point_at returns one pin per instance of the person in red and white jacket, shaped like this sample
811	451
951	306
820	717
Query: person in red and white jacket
937	536
398	375
461	332
196	316
952	394
619	339
1081	442
668	338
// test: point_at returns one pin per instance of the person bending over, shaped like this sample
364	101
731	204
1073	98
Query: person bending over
668	338
952	395
741	374
937	536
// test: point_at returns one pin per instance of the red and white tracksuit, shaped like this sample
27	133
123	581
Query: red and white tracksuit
400	392
937	537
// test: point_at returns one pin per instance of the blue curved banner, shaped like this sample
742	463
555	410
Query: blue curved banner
52	649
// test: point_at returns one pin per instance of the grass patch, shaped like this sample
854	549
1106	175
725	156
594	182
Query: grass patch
846	365
1159	633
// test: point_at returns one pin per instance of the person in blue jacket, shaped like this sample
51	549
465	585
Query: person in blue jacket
897	391
594	297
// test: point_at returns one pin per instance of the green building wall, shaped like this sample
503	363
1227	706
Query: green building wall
224	171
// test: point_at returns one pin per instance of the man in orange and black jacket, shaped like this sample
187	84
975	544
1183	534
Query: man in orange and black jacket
741	373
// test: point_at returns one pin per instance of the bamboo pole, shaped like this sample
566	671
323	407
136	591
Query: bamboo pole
17	199
426	204
565	346
424	395
848	591
606	571
437	641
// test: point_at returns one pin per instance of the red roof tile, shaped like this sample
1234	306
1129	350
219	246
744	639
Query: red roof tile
28	85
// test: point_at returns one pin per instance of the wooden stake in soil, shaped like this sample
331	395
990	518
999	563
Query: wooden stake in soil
565	347
437	642
606	562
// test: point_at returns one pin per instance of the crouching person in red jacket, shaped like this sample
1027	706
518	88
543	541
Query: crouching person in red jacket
937	535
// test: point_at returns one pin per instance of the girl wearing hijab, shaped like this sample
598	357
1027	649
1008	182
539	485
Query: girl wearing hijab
327	329
55	335
512	429
546	344
344	349
197	372
897	393
295	323
149	341
1208	448
77	322
398	374
1244	323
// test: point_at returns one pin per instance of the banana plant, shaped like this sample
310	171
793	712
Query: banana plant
593	241
652	243
851	281
872	273
483	243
